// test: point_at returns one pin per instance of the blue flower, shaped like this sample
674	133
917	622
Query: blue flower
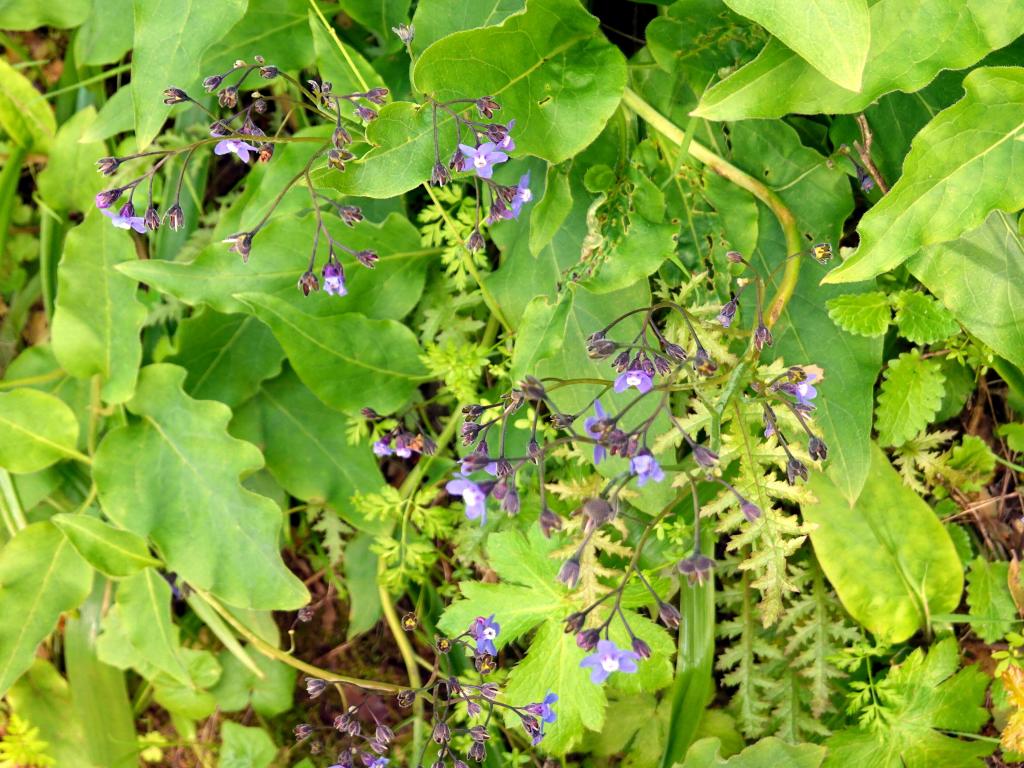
805	391
484	631
609	658
482	159
382	447
122	221
646	467
544	711
473	496
590	425
523	195
634	377
235	146
508	143
334	279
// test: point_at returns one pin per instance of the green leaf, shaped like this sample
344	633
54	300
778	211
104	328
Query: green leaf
98	318
174	476
364	610
42	577
1014	436
911	395
239	688
922	319
929	696
144	605
43	698
766	753
954	176
36	430
340	64
244	747
306	448
273	29
349	362
171	37
832	37
226	356
989	598
69	181
900	58
549	214
192	701
863	314
435	19
25	115
19	15
106	34
980	279
540	335
112	551
379	16
389	291
891	571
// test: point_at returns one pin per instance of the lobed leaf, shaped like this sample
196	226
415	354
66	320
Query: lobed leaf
912	390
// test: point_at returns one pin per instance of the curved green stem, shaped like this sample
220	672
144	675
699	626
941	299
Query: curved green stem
728	171
408	657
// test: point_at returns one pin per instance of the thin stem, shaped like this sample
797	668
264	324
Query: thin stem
341	47
408	657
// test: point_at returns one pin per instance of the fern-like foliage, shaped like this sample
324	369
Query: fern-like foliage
21	746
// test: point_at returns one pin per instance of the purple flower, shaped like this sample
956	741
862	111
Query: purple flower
609	658
491	468
334	279
544	711
804	392
379	762
523	195
484	631
138	223
590	426
382	447
646	467
235	146
473	496
508	144
482	159
634	377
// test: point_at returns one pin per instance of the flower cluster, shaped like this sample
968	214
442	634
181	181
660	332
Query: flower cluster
394	439
365	738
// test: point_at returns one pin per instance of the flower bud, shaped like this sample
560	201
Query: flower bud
549	522
795	469
569	574
409	622
817	449
151	219
475	241
668	614
108	165
405	697
478	752
315	686
175	217
442	733
750	510
108	197
175	96
641	649
588	639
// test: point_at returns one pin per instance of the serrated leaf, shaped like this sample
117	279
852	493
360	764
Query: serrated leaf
173	475
891	571
931	697
36	430
348	361
953	178
171	37
865	314
989	598
42	577
912	390
114	552
980	279
832	37
900	58
98	318
921	319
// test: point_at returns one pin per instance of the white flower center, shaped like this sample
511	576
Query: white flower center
526	195
609	664
642	464
489	633
472	497
479	161
633	379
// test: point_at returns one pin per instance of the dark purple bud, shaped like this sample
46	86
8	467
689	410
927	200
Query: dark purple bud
750	510
486	106
108	197
377	95
259	106
367	258
151	219
384	734
442	733
108	165
641	649
696	568
219	128
762	337
621	363
241	244
303	731
336	159
228	98
479	733
562	420
475	241
440	175
266	152
470	431
646	365
674	351
366	114
315	686
212	83
569	574
379	747
702	362
668	614
588	639
597	511
795	469
406	698
477	752
549	522
705	457
734	257
175	217
485	663
456	163
175	96
127	210
305	614
496	132
661	365
473	411
574	622
511	502
727	313
817	448
340	137
350	214
533	449
268	72
504	468
532	389
598	349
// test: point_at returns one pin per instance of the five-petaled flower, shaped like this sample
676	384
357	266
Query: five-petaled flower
805	391
482	159
609	658
646	467
235	146
121	221
634	377
484	631
545	712
590	425
473	496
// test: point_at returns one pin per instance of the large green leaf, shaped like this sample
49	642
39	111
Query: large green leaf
106	35
36	430
273	29
244	747
830	35
307	449
25	116
435	19
891	571
226	356
98	318
339	63
43	698
171	37
18	14
955	175
379	16
390	290
348	361
910	44
765	753
547	67
112	551
993	611
144	607
174	476
69	180
42	577
980	279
